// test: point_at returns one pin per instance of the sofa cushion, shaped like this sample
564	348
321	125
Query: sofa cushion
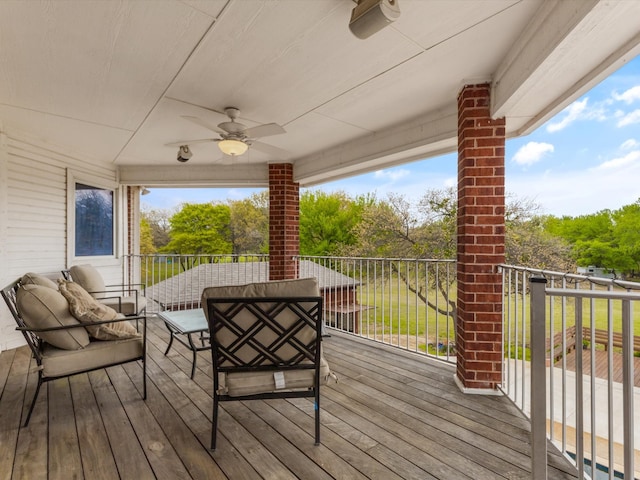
88	310
37	279
97	354
88	278
44	307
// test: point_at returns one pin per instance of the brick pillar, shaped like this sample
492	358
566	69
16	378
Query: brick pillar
481	207
284	222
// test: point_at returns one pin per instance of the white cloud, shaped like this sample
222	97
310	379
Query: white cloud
392	175
628	96
629	144
572	113
532	153
580	191
629	118
616	163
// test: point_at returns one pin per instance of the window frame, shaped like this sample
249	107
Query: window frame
74	178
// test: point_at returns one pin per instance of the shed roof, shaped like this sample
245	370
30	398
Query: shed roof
186	287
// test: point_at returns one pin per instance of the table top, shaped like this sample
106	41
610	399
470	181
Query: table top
186	321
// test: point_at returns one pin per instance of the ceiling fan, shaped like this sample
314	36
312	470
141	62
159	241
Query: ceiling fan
235	138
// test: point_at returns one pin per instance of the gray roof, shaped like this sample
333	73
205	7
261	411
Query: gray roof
186	287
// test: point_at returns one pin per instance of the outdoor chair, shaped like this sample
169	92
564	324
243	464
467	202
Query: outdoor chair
125	299
265	343
71	333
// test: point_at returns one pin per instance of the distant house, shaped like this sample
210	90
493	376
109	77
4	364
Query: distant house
183	291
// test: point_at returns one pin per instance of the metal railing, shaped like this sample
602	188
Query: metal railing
407	303
569	348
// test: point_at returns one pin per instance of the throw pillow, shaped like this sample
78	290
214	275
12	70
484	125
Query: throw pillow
37	279
88	311
44	307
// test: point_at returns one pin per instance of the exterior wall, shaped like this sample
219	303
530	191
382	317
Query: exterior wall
481	206
284	218
33	216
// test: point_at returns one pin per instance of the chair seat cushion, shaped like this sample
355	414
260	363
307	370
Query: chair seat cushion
88	310
97	354
250	383
44	307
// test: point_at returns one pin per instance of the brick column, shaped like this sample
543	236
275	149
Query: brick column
481	207
284	222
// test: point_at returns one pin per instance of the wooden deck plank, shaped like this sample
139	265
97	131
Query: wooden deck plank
65	461
128	454
392	416
92	436
12	406
281	414
170	408
32	449
405	404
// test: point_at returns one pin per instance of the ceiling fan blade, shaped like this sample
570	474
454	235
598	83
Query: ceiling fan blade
202	123
270	149
265	130
191	142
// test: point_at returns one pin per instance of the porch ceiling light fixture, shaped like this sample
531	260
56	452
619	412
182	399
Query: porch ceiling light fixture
230	146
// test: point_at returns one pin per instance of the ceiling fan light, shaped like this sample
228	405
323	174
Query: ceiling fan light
232	147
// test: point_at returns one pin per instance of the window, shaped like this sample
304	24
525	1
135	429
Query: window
94	221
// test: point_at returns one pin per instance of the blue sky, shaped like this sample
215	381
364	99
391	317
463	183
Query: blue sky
583	160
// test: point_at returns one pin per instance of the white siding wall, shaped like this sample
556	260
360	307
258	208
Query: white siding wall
33	216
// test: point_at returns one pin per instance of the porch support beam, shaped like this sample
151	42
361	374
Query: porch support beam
284	222
481	208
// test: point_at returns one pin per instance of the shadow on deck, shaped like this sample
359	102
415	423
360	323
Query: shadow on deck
393	415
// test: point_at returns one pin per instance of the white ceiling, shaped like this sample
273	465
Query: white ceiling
111	80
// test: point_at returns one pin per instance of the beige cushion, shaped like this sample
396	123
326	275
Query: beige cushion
88	278
97	354
250	383
37	279
88	310
302	287
44	307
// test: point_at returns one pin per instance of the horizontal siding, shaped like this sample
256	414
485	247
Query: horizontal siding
35	215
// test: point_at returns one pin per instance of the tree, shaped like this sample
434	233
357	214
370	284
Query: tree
158	220
428	229
328	221
249	224
146	238
626	232
529	243
200	229
606	239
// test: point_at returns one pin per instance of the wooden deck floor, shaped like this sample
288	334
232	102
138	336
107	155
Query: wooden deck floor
393	415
